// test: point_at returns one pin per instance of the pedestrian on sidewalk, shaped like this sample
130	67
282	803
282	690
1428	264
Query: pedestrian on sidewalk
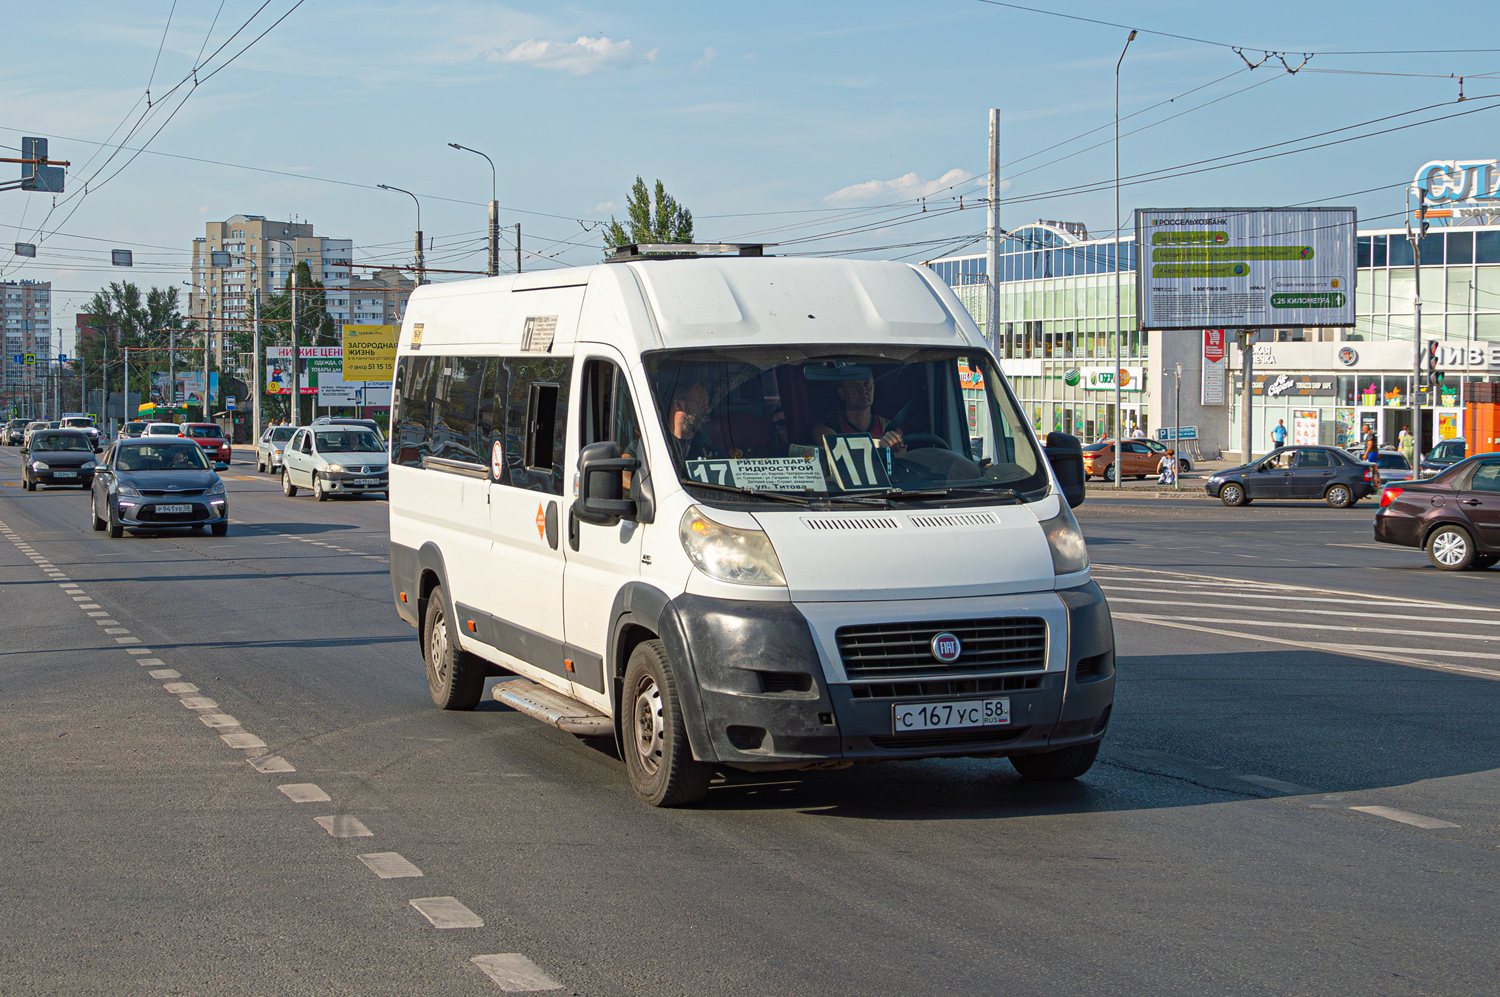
1136	432
1278	435
1407	444
1167	468
1371	447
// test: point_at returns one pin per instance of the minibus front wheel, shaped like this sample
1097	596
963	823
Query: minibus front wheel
662	769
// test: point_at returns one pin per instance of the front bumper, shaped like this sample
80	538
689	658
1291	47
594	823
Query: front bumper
50	477
351	483
763	698
142	513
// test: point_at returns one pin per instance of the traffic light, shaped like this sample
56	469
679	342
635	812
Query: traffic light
1434	376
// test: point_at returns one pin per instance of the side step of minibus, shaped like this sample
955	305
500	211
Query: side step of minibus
554	708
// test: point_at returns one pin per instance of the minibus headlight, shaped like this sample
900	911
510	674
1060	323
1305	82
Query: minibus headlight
1069	553
744	557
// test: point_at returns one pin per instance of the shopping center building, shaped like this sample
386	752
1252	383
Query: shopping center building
1056	320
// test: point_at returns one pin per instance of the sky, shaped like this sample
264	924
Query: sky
819	126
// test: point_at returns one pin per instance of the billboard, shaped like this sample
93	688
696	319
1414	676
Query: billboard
1201	268
1215	365
313	362
334	390
369	352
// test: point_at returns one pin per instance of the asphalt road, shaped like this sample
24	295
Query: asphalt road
217	749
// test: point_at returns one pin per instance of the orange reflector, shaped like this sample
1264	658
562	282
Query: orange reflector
472	627
568	664
403	596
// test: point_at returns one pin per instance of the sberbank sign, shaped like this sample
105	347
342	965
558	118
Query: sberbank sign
1475	182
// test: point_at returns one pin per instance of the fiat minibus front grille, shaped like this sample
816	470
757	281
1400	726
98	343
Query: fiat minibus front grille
879	650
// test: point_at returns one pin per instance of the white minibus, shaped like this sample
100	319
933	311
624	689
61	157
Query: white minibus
734	510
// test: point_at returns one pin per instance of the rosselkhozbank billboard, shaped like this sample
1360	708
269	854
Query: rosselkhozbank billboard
1229	268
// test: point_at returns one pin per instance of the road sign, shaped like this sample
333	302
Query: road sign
1182	433
229	403
29	358
62	358
121	258
19	358
26	249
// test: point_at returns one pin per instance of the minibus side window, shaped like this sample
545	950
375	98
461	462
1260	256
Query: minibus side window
607	412
409	434
536	421
455	409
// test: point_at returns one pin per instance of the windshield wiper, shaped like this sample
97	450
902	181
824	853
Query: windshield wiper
987	491
755	492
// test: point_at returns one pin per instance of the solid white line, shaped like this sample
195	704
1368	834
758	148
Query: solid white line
344	826
1279	598
1354	650
447	912
1205	580
1339	629
1405	817
242	739
304	792
389	865
271	764
180	688
515	973
1340	613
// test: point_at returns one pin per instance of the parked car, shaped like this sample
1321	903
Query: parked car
133	429
1138	459
1454	517
1306	472
268	448
339	420
1443	456
334	460
210	436
58	457
13	432
1393	466
155	483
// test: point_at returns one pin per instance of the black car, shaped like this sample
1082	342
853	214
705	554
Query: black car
156	483
1307	472
12	432
58	457
1455	516
1443	456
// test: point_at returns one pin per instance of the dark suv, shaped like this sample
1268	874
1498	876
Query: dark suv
1455	516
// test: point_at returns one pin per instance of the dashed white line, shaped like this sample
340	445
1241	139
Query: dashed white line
304	792
447	912
515	973
242	739
218	720
149	662
115	630
1405	817
137	650
98	613
127	640
271	764
344	826
390	865
165	673
180	688
198	703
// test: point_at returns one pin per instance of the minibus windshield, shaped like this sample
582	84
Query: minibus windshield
872	423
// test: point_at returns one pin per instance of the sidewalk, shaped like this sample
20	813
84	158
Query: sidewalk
1192	483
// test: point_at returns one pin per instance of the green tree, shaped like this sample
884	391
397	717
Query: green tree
664	221
122	318
315	327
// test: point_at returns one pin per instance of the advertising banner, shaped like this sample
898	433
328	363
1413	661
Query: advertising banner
334	390
313	361
1103	378
1305	428
1215	366
1244	267
369	352
190	387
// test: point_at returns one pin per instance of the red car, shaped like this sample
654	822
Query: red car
211	438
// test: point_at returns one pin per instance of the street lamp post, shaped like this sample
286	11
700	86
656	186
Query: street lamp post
494	265
1119	244
1415	237
421	268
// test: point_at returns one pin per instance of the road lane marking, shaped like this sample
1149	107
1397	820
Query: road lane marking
180	688
98	613
116	630
136	650
271	764
344	826
150	662
1335	627
515	973
1405	817
1352	650
1108	586
1366	546
1340	613
1207	581
242	739
165	673
389	865
447	912
127	640
1290	788
218	720
198	702
304	792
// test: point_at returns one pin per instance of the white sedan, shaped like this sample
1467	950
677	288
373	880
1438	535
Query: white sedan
268	449
334	460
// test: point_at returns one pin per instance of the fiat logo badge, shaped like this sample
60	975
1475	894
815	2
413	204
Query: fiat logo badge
946	648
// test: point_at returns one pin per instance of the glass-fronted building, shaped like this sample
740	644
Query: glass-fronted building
1055	333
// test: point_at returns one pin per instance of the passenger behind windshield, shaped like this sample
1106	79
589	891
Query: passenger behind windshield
343	441
55	444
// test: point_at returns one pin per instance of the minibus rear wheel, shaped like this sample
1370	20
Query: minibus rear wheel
454	676
658	757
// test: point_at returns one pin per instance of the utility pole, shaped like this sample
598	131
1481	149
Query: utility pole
1177	433
1119	245
207	342
992	239
1247	370
494	262
296	355
125	405
518	247
1415	237
255	360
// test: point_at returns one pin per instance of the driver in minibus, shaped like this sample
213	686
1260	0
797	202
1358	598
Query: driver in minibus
856	390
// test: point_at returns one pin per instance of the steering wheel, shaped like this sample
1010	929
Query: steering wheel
921	441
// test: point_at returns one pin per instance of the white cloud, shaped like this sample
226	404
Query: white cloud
899	189
603	207
709	55
586	55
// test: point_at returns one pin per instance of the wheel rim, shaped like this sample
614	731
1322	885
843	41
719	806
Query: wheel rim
317	487
1449	548
1338	495
1232	494
650	727
437	650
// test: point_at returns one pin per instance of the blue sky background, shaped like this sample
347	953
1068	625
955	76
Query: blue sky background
777	121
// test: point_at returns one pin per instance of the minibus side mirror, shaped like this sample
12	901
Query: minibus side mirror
599	501
1065	454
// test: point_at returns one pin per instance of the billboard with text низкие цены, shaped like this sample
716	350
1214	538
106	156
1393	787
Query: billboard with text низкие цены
1241	268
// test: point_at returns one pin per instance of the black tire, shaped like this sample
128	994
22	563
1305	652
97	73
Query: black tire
1482	561
220	529
98	524
454	677
287	488
1140	477
1232	494
1450	548
658	757
116	528
1184	465
260	467
1339	496
317	489
1057	766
